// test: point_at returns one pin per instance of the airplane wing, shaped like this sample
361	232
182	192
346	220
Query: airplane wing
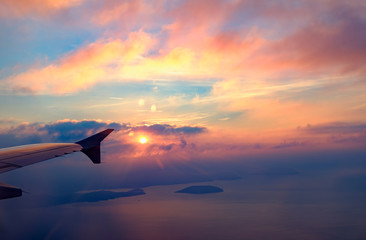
16	157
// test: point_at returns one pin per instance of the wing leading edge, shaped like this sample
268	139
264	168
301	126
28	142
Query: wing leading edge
20	156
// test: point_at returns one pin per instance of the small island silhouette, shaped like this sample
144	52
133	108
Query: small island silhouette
95	196
200	190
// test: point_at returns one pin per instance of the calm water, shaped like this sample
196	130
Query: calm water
251	208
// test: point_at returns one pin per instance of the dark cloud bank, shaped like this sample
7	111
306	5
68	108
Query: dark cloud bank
72	131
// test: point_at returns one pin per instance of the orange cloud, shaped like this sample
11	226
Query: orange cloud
126	14
21	8
130	59
278	65
194	44
83	68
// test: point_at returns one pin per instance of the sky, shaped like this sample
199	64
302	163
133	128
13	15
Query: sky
260	73
221	90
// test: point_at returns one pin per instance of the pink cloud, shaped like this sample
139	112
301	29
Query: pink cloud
117	11
195	41
130	59
192	20
22	8
318	49
83	68
168	143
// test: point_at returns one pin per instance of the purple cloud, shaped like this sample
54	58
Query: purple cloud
72	131
335	128
165	129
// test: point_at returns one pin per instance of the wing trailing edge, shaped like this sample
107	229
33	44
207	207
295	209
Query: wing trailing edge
20	156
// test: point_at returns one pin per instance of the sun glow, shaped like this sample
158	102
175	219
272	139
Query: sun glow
143	140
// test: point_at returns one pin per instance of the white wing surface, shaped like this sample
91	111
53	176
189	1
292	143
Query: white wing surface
16	157
20	156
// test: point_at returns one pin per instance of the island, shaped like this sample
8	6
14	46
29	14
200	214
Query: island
200	190
95	196
106	195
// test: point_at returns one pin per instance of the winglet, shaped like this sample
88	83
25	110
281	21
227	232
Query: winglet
91	145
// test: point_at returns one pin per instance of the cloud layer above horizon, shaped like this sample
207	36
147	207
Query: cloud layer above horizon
258	69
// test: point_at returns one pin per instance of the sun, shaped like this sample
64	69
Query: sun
143	140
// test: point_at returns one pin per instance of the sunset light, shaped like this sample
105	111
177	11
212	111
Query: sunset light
260	105
143	140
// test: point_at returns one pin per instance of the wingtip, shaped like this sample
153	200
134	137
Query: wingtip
109	130
95	139
91	145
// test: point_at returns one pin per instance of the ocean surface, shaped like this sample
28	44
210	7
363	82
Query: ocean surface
248	208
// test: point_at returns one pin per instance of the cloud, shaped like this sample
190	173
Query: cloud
318	48
83	68
126	14
22	8
286	144
165	129
264	59
59	131
131	60
166	142
193	40
345	133
7	122
335	128
72	130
